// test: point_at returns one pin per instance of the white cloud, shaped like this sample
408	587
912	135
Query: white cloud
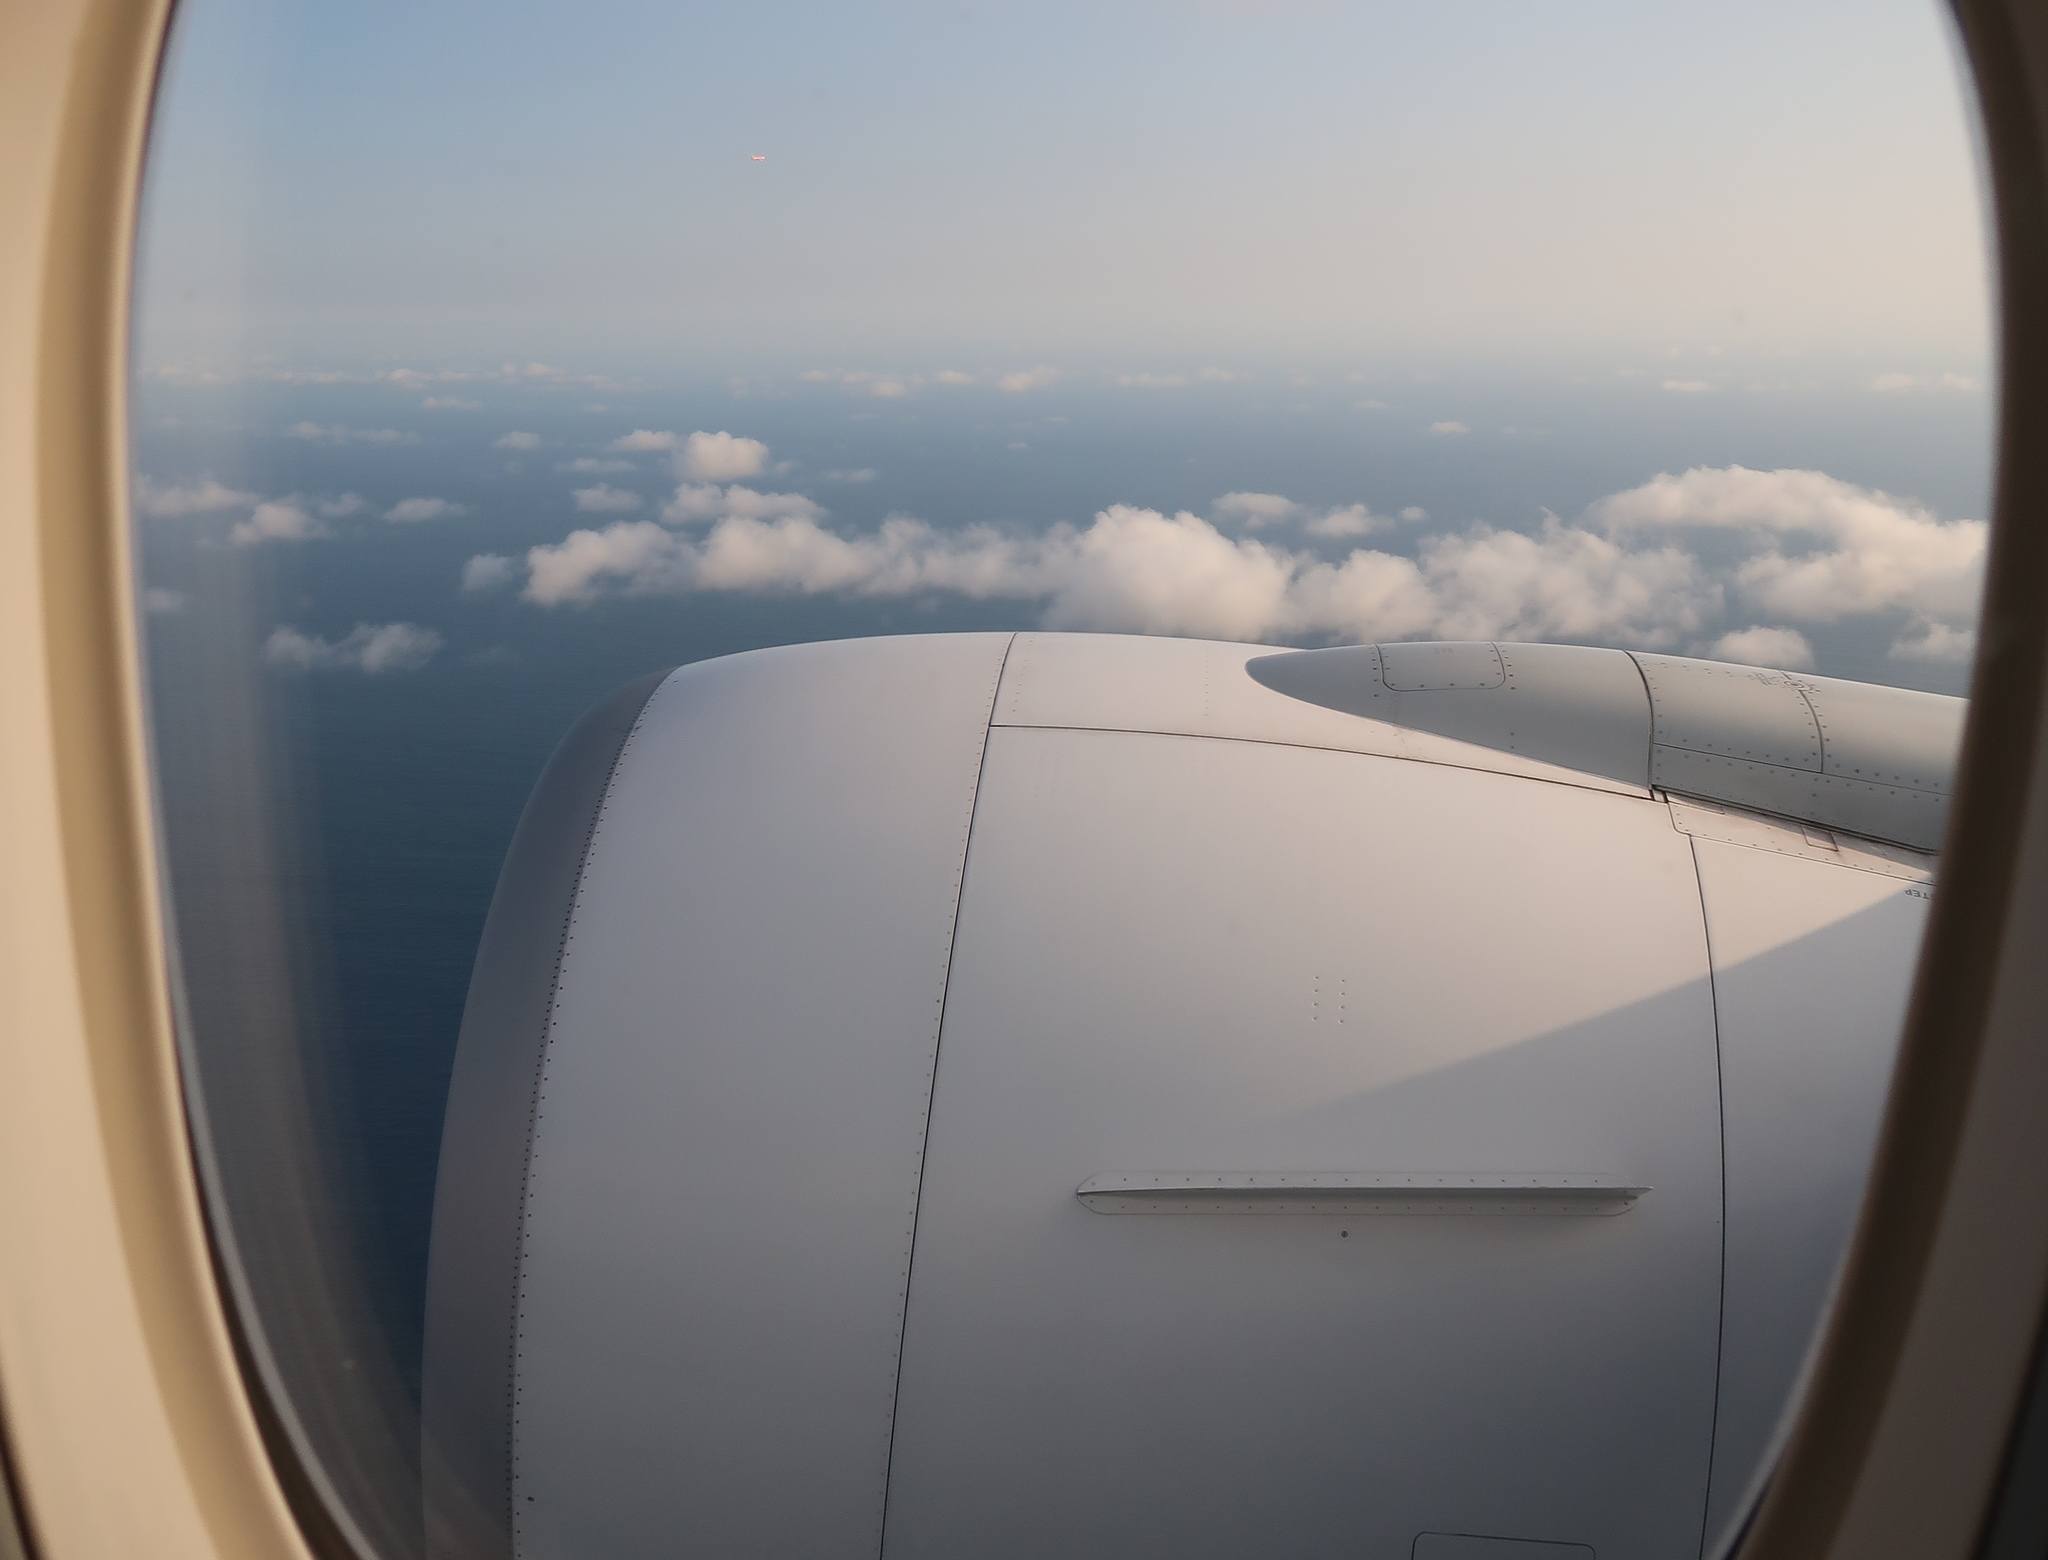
638	554
1414	514
1352	520
904	557
604	499
516	441
1564	583
707	501
450	403
642	440
886	387
1784	648
1896	383
1450	427
852	474
542	374
1928	640
1262	511
1176	381
1818	549
1141	570
415	378
374	648
1689	386
157	501
721	457
489	571
184	374
335	433
280	520
1789	547
340	506
411	511
1370	405
1026	379
594	466
159	601
953	376
1255	510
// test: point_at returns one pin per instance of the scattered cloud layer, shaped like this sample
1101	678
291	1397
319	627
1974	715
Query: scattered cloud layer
336	433
1024	380
1815	549
293	517
529	374
1786	547
175	501
1174	381
1899	384
516	441
852	474
642	441
1142	570
1448	428
1264	511
604	499
697	501
885	386
413	511
279	520
374	648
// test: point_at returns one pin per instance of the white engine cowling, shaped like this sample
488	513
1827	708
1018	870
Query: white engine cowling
1064	1094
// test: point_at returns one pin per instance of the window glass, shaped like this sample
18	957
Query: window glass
490	359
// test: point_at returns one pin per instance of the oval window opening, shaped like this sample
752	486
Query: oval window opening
793	651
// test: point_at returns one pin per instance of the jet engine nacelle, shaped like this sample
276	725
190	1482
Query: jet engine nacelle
1078	1095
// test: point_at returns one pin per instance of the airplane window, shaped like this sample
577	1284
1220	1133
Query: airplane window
1078	778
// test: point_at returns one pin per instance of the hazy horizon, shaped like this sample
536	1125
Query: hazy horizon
1585	184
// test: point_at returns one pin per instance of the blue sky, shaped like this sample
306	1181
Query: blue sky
1489	181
